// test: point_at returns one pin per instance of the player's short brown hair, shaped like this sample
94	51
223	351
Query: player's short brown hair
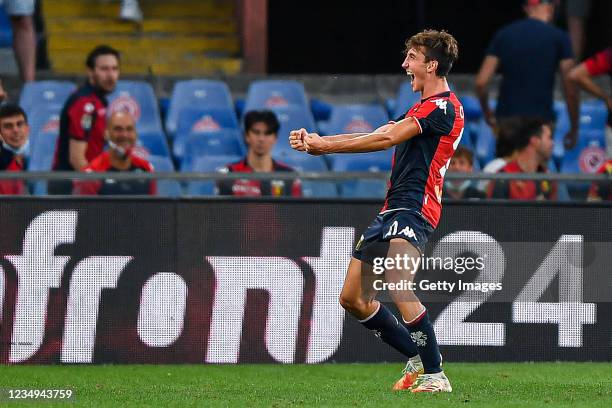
463	151
438	46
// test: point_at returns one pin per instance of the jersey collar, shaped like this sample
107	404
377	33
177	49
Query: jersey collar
440	95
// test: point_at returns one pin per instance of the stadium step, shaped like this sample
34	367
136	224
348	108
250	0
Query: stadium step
196	37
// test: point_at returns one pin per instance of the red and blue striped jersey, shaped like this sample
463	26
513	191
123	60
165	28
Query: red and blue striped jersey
419	164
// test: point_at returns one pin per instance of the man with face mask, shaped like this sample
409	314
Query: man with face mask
121	136
14	135
82	121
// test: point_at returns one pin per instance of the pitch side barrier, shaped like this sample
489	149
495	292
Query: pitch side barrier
93	280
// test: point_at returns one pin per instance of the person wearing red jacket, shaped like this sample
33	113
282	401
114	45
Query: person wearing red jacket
598	64
121	136
14	138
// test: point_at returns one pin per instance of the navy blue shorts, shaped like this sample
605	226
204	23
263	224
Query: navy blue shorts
404	224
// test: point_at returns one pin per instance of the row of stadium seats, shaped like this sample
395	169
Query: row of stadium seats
201	121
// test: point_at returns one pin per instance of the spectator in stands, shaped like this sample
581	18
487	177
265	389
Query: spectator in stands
462	162
599	64
528	53
24	37
261	133
130	11
505	148
2	92
14	135
603	190
122	137
83	117
534	148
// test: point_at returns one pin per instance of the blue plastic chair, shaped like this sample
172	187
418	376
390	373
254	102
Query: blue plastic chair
137	98
362	162
154	144
471	108
42	154
273	94
203	120
312	188
226	142
6	32
485	141
165	188
41	94
405	99
355	119
196	93
291	118
587	156
206	164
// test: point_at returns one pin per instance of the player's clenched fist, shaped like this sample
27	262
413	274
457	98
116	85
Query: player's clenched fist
314	144
296	139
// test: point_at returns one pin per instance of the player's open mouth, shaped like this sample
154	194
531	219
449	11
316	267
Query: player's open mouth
410	76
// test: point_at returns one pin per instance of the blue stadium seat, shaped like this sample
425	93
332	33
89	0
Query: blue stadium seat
42	152
561	127
273	94
203	119
587	156
305	162
165	188
44	119
291	118
137	98
471	108
206	164
355	119
6	32
593	116
364	189
362	162
225	142
312	188
485	141
405	99
319	189
154	144
44	93
200	93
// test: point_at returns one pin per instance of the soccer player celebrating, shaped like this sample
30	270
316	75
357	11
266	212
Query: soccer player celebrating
425	140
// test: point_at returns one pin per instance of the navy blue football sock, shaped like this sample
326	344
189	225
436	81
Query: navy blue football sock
422	333
386	326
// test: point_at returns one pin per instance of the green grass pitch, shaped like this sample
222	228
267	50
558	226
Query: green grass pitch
333	385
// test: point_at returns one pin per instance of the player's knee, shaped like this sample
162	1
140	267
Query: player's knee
353	304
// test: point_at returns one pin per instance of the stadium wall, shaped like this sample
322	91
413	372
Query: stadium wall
219	281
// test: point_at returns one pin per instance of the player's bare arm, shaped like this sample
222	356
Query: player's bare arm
296	136
486	72
381	139
573	104
580	75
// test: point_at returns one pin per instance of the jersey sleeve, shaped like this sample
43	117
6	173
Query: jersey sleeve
600	63
436	117
80	121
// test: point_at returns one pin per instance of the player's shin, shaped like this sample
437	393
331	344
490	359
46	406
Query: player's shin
387	327
423	335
